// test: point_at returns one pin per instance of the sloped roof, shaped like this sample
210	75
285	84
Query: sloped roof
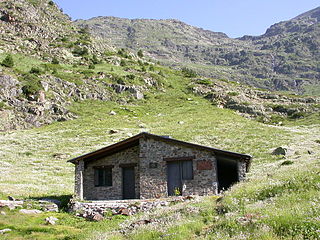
134	141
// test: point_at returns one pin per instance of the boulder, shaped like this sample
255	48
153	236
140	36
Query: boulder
97	217
30	211
280	151
6	230
51	220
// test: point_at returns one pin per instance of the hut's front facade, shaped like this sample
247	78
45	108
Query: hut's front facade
150	166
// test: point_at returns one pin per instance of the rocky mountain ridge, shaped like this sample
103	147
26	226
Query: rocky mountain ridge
36	90
284	58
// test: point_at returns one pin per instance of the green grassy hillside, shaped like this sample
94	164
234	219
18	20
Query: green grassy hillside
34	166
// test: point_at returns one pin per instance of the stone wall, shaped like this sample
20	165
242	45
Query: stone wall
153	169
78	186
242	167
127	156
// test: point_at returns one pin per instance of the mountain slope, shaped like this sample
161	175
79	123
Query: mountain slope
40	29
284	58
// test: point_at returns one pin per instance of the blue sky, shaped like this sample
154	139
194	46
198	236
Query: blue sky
233	17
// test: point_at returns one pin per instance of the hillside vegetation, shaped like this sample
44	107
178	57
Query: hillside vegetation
54	108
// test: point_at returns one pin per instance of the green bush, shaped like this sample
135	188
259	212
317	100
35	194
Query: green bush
31	85
92	66
151	68
35	70
55	61
95	60
123	63
233	93
140	54
79	51
2	105
8	61
204	82
188	72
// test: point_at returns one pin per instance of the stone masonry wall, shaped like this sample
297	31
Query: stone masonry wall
78	186
114	192
242	166
153	169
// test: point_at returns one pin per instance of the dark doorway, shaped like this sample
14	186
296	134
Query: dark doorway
174	179
128	183
227	173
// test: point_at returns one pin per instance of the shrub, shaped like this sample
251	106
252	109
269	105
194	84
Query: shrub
161	74
51	3
79	51
119	80
151	68
140	54
2	105
8	61
55	61
204	81
233	93
95	60
131	77
123	63
92	66
32	85
287	162
188	72
35	70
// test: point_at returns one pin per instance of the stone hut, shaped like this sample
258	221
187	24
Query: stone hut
151	166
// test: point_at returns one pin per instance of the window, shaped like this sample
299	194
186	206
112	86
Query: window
102	176
186	170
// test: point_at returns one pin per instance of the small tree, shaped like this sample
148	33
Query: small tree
140	54
8	61
55	61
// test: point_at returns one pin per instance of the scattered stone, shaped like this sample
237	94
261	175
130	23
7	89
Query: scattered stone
189	99
113	131
139	95
280	151
3	213
10	204
6	230
30	211
49	205
60	155
112	113
310	152
11	198
125	212
97	217
142	126
181	122
51	220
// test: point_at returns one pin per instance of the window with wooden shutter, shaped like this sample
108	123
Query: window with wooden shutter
103	176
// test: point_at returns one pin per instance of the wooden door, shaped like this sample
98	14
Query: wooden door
174	179
128	183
